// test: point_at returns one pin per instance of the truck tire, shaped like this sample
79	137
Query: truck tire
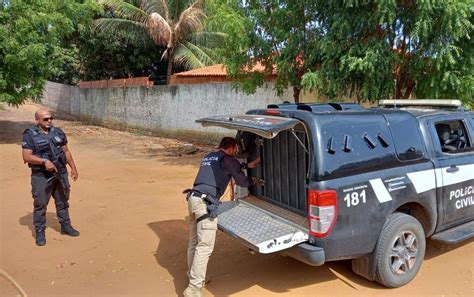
400	250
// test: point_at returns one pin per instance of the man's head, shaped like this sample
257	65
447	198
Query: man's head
229	146
43	119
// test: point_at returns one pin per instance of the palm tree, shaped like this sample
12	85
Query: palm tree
177	25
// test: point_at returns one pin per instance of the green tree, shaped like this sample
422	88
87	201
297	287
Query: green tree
280	35
385	48
90	54
32	35
30	32
81	14
177	25
105	56
364	49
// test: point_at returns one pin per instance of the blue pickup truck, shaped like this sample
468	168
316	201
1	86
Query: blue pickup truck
344	182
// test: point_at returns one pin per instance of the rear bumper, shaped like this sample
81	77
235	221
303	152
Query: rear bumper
306	253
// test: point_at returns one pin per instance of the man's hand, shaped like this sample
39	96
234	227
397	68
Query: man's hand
50	166
258	181
74	174
254	163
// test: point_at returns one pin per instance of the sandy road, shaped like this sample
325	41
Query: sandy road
132	217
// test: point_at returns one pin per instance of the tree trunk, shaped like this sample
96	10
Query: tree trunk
169	71
404	88
398	89
410	85
296	94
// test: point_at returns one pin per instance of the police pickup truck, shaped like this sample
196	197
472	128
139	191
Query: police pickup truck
345	182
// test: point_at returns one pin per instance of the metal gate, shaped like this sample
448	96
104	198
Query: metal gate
284	169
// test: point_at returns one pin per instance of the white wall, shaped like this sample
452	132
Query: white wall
167	109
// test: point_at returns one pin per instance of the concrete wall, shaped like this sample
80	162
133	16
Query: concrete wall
61	97
170	110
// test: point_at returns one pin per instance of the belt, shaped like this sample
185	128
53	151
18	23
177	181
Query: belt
203	196
199	194
195	193
203	217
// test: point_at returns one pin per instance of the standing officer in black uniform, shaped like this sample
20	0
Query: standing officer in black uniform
46	152
215	172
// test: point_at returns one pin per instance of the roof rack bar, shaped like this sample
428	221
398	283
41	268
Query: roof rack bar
421	102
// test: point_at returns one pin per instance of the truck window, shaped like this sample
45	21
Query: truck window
406	136
452	136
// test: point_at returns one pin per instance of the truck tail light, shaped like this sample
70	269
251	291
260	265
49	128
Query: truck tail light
322	211
273	112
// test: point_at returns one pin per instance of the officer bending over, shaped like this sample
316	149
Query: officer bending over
46	152
215	172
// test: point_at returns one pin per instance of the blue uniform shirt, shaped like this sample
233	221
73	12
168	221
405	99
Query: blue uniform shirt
28	143
215	172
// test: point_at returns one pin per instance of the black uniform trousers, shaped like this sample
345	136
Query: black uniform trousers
43	186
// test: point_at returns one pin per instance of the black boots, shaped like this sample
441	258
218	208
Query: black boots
40	238
69	230
65	229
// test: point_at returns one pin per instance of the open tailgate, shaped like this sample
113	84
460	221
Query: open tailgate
258	229
263	125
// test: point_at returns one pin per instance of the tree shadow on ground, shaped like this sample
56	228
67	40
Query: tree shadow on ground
171	251
51	222
12	132
232	269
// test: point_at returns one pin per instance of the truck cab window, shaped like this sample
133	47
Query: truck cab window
452	136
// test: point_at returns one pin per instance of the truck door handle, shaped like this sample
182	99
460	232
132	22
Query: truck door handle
452	169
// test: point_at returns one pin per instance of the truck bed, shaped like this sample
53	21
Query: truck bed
279	211
262	226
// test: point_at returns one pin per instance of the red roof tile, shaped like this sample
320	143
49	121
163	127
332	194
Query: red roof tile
216	70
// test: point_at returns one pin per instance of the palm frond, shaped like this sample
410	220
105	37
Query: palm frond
160	30
159	6
164	7
186	59
166	53
191	56
191	20
176	7
126	10
137	31
208	39
134	2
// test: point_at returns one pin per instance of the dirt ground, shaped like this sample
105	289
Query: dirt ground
132	216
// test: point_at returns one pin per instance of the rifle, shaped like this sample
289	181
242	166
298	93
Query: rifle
58	158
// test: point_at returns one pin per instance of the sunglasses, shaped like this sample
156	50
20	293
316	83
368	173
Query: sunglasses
47	119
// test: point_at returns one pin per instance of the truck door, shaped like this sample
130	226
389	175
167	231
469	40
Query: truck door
453	146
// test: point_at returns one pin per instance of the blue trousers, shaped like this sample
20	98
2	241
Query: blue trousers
42	188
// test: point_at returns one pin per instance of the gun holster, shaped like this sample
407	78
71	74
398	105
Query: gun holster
188	193
212	205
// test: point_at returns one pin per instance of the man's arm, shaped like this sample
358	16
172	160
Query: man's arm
233	167
29	158
70	162
252	164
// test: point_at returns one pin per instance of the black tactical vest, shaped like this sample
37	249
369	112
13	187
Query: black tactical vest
48	146
212	178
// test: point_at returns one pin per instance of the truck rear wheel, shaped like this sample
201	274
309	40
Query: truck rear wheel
400	250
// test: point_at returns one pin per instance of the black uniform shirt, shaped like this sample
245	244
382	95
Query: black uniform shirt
28	142
216	170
